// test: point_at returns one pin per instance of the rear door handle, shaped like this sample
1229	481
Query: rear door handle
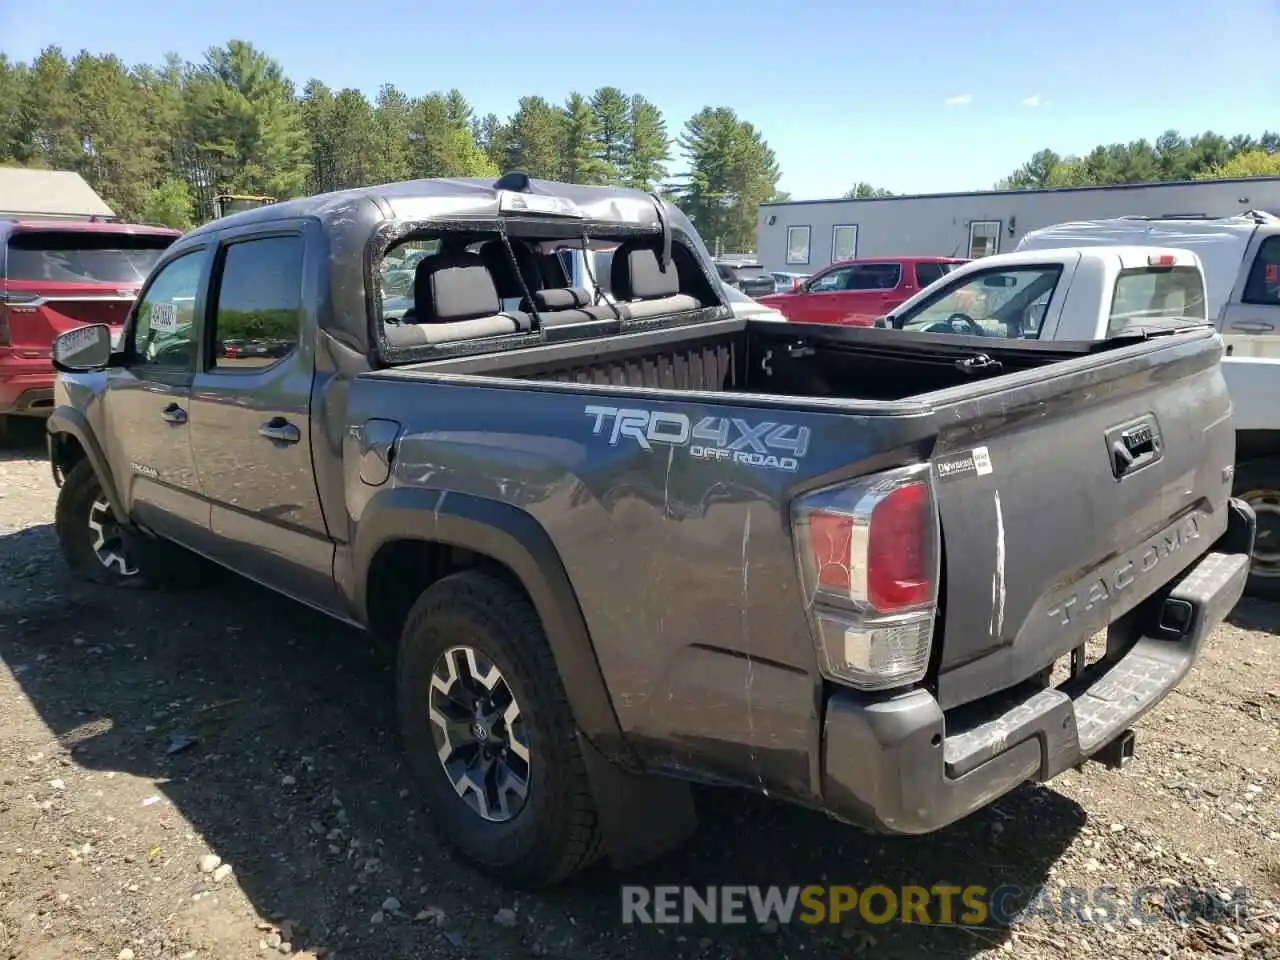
280	430
174	414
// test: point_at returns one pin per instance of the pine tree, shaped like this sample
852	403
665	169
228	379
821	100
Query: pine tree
611	109
579	151
535	138
648	147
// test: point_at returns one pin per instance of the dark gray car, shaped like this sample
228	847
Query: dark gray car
751	278
626	543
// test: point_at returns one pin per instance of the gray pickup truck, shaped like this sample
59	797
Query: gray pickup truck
629	543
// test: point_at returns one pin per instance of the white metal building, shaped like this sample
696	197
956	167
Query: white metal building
803	236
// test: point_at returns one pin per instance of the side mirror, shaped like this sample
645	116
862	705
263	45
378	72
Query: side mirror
82	349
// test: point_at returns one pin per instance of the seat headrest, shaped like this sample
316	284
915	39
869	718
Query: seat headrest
505	279
453	286
562	298
635	274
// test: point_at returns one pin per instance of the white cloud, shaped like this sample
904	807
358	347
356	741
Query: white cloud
963	100
1034	101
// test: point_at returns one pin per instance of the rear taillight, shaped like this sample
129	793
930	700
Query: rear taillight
868	553
10	298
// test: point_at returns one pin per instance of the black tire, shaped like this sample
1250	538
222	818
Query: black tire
142	561
1258	483
555	834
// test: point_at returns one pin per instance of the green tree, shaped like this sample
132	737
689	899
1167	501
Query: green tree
863	190
47	115
245	111
612	113
391	159
494	138
732	170
535	136
1171	156
117	150
1249	163
580	146
441	139
170	205
648	146
13	82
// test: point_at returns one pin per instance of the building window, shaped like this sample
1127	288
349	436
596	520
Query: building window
984	238
844	242
797	245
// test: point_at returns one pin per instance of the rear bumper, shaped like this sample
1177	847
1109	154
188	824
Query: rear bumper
902	765
26	387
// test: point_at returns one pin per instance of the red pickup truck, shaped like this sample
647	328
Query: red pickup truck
855	292
59	274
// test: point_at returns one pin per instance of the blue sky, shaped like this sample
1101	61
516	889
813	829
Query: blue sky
843	91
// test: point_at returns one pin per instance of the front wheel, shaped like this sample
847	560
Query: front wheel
1258	484
490	735
97	547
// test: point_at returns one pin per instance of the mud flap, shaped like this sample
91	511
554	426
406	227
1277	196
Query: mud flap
642	817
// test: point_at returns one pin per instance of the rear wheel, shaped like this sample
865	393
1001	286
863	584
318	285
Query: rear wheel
1258	484
489	733
97	547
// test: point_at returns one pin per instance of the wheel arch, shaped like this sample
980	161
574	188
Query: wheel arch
70	440
407	538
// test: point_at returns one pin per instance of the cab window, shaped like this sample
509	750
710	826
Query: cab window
164	333
1001	303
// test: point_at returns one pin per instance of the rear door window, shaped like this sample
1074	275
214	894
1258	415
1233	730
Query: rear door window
1263	287
874	276
75	256
927	273
259	303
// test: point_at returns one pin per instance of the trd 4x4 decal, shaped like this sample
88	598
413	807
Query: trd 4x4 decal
774	446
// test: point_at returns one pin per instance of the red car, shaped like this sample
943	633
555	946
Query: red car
855	292
56	275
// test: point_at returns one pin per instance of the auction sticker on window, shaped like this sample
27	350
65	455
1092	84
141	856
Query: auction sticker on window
164	317
971	463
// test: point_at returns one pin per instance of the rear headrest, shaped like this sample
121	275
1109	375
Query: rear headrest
453	286
635	274
562	298
504	277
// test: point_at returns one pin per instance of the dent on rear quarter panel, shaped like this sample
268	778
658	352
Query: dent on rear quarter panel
683	568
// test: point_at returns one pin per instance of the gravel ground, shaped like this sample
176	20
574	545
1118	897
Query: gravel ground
215	774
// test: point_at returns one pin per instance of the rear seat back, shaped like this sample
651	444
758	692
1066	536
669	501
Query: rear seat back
458	295
643	285
454	298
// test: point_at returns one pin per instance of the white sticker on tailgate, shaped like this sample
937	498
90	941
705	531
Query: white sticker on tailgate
975	462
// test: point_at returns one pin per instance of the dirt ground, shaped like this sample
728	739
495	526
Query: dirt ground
216	774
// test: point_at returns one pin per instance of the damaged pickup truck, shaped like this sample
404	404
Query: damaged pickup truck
624	544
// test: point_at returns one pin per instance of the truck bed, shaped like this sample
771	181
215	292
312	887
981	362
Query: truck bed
1045	538
798	361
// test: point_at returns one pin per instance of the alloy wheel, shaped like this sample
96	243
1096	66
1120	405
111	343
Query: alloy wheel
107	540
479	734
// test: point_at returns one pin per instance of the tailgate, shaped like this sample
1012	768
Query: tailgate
1068	495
